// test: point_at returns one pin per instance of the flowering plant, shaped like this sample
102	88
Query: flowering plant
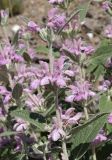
57	108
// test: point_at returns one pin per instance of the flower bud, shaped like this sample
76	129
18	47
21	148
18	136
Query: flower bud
4	17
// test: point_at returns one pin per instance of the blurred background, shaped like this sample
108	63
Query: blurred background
32	9
37	10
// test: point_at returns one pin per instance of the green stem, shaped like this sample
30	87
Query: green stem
44	157
64	148
51	66
51	58
94	153
86	113
5	31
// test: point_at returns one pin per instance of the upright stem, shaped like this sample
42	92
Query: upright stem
51	66
94	153
44	157
86	113
51	58
64	148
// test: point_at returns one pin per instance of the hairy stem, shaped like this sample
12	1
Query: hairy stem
86	113
44	157
65	150
51	65
64	147
51	58
94	153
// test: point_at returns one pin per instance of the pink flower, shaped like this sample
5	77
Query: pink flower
99	139
3	61
8	55
46	80
55	19
69	117
104	85
56	132
69	99
88	50
35	84
4	17
6	94
18	140
77	47
73	47
70	73
2	114
3	13
80	91
60	82
33	102
57	77
108	31
106	5
32	26
20	125
56	1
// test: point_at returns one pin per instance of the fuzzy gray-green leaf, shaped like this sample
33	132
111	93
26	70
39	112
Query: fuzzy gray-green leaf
25	115
83	135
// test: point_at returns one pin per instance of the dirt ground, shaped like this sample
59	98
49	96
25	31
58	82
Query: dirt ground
37	9
32	9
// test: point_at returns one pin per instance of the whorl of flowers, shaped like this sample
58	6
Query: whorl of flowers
46	103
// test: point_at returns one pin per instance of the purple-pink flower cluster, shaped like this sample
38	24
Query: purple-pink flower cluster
56	1
42	101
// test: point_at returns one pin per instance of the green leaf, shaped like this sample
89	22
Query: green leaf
26	57
102	53
42	49
84	6
100	70
50	110
7	133
45	50
99	58
83	135
20	156
105	104
71	56
21	51
4	75
15	39
25	115
109	128
17	91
